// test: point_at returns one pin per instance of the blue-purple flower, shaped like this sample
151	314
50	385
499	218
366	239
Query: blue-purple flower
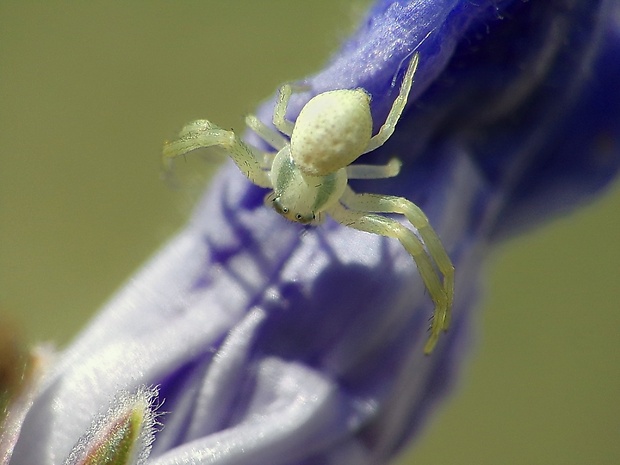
252	340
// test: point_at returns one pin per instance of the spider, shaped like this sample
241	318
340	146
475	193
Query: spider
309	173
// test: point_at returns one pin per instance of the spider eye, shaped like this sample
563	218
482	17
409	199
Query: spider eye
299	217
277	206
318	218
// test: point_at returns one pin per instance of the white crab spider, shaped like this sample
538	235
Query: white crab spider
308	175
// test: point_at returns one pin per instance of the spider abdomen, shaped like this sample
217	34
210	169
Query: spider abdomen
331	131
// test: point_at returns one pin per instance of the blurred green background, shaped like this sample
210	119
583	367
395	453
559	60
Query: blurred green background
88	92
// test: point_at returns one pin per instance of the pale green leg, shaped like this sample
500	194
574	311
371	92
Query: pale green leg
279	112
397	108
389	170
442	293
204	134
273	138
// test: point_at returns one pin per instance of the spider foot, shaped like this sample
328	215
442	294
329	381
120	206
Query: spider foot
440	323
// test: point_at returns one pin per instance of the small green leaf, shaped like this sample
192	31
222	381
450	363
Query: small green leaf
122	436
117	447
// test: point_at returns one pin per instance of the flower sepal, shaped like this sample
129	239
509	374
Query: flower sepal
121	436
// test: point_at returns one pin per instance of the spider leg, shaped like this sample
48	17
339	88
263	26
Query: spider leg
389	170
279	112
269	135
267	160
397	108
204	134
442	293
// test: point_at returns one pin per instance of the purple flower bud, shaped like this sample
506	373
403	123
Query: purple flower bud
272	343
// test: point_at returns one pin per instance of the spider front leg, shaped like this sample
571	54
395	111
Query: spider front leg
386	131
204	134
357	214
279	112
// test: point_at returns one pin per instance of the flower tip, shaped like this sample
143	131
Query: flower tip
123	435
